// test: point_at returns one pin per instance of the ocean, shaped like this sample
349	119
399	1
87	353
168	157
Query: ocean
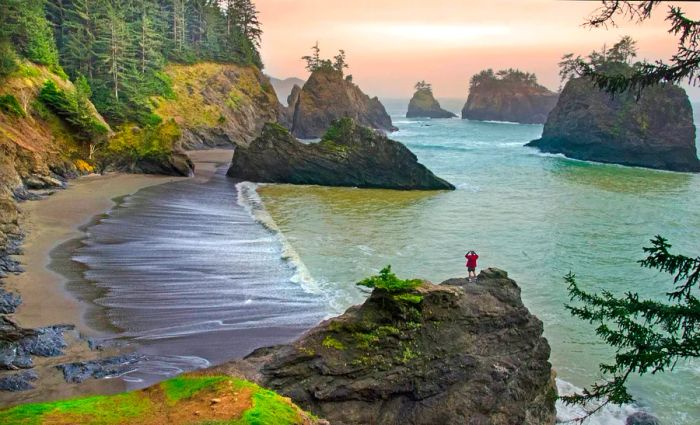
198	273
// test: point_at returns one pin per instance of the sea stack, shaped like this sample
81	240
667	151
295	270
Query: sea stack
348	155
424	105
328	96
508	95
655	130
455	353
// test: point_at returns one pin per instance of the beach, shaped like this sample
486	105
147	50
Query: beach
57	221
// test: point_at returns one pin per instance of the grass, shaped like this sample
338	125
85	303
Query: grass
103	410
185	387
266	408
10	105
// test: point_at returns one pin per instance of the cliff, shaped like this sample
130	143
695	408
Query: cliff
456	353
326	97
39	150
218	105
509	99
188	399
424	105
654	131
348	155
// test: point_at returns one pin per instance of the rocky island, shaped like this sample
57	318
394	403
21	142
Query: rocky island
654	131
424	105
508	95
348	155
329	95
651	127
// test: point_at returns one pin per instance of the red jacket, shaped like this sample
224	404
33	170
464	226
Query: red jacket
471	260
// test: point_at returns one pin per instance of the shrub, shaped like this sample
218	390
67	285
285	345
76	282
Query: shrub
11	106
8	60
388	281
74	108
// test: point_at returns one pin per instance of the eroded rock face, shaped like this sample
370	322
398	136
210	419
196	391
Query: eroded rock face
424	105
219	105
326	97
508	101
456	353
656	131
349	155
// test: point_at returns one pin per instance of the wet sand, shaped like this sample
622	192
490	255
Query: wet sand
52	225
58	219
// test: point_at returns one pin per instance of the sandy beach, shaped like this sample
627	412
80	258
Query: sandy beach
59	218
50	225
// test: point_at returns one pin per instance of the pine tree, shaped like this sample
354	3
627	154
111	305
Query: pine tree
78	53
246	17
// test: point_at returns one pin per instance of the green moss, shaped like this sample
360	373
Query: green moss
269	408
407	355
234	99
330	342
409	298
185	387
103	410
365	340
11	106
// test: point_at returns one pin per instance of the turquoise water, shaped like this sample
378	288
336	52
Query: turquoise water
534	215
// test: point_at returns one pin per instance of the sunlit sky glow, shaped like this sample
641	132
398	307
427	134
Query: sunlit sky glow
391	44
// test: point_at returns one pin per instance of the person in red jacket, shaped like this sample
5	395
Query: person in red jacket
471	264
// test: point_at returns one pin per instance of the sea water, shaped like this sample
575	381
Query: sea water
194	273
536	216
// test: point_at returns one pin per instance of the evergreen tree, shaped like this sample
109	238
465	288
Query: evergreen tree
649	336
246	17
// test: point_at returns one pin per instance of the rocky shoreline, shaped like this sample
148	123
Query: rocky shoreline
458	352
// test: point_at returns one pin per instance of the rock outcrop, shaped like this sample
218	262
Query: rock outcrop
456	353
326	97
519	100
348	155
219	105
654	131
424	105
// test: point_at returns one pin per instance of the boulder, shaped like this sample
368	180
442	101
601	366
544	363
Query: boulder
78	372
456	353
349	155
326	97
20	381
424	105
642	418
655	130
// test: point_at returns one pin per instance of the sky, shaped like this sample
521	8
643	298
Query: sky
391	44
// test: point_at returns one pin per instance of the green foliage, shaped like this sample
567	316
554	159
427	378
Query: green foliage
613	61
75	109
10	105
510	76
8	59
103	410
386	280
184	387
422	85
683	65
330	342
131	144
649	336
314	62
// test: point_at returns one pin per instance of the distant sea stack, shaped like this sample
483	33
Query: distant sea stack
656	131
455	353
284	87
326	97
424	105
348	155
508	95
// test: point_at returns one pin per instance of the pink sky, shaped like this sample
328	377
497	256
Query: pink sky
391	44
